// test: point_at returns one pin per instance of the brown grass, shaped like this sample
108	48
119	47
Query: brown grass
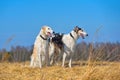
79	71
91	70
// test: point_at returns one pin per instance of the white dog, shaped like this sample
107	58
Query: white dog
41	46
69	41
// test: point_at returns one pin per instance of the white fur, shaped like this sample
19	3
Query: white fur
40	47
70	44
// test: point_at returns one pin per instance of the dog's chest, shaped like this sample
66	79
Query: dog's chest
68	41
41	43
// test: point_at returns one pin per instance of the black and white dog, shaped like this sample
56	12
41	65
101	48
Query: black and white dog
69	40
55	48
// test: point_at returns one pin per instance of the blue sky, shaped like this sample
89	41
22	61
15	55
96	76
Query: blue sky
21	20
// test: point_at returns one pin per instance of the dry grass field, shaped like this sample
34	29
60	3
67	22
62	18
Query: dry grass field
79	71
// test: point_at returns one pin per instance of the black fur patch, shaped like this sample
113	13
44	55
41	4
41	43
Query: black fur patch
76	29
57	39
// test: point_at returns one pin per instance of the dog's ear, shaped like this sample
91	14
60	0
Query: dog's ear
76	29
43	29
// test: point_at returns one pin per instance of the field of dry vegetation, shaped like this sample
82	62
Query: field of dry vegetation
79	71
98	61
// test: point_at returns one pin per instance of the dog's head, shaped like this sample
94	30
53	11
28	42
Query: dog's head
57	38
80	32
47	31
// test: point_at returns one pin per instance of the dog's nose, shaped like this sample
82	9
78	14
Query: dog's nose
86	34
53	32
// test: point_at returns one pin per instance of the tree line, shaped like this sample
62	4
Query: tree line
95	51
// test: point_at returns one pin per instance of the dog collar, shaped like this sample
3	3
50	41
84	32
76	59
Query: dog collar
43	37
71	35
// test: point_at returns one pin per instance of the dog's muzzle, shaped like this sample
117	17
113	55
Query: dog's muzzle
86	34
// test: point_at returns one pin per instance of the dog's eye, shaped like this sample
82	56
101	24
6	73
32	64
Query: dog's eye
79	29
48	28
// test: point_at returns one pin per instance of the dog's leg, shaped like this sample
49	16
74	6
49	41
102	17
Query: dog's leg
51	56
51	53
34	63
64	57
40	60
32	60
71	55
51	60
58	57
47	59
33	57
70	61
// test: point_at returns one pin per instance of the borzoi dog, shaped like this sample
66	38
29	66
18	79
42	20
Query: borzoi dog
69	41
40	52
55	48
